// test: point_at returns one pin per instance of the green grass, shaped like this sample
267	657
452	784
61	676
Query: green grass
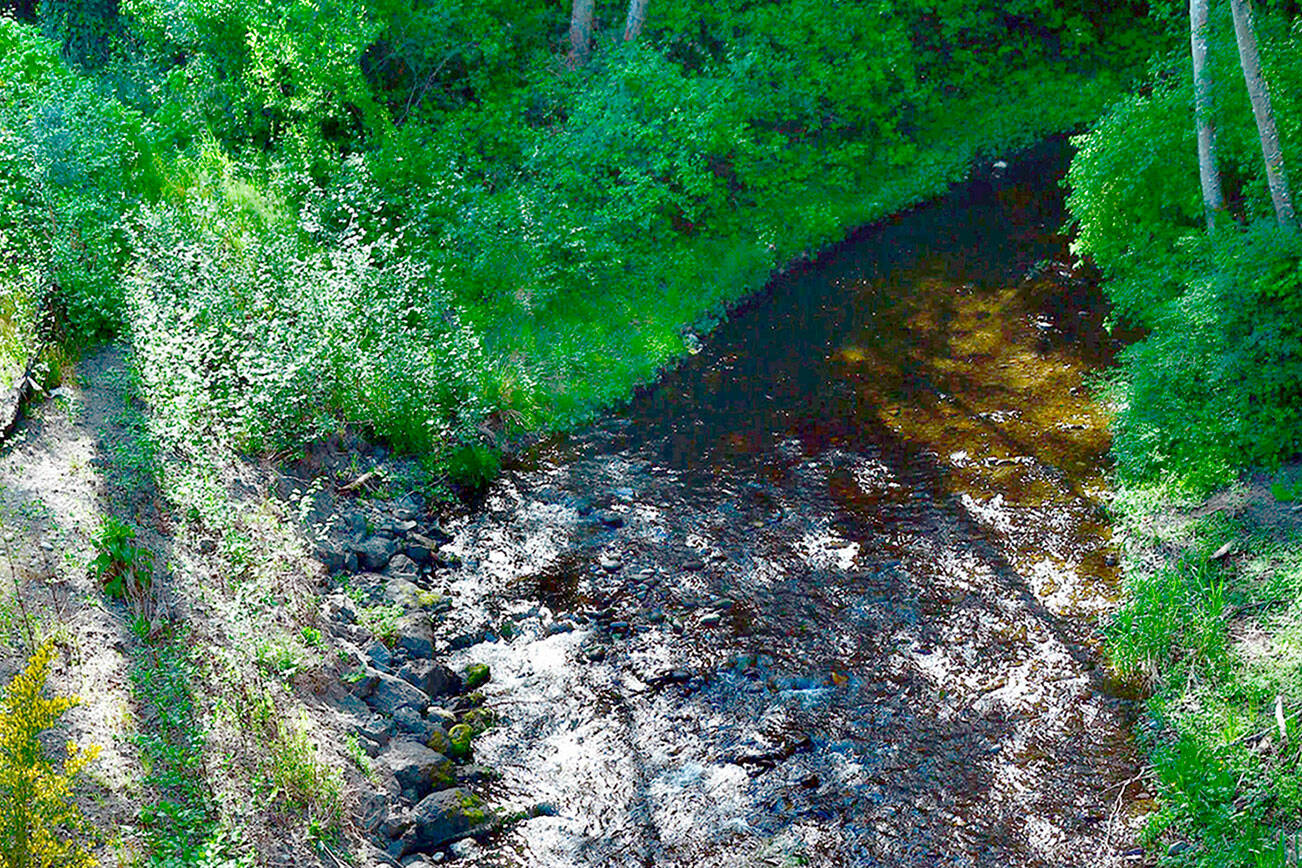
179	821
1218	642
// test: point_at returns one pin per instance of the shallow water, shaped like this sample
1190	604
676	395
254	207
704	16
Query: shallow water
848	614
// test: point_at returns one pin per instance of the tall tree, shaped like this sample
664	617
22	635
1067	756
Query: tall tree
1259	94
1209	174
580	32
636	18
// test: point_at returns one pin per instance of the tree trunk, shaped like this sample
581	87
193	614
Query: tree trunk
1259	93
580	33
636	18
1208	173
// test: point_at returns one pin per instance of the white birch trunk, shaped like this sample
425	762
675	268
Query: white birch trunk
1208	172
1259	94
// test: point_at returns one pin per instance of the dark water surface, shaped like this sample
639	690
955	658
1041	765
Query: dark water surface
848	614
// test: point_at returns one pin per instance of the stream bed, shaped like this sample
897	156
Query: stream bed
828	592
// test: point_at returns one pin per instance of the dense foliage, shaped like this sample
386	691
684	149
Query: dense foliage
1217	383
416	217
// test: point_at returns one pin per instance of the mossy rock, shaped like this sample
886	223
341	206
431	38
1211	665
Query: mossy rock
479	719
477	675
440	742
459	738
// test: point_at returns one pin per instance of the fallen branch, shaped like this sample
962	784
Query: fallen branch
359	482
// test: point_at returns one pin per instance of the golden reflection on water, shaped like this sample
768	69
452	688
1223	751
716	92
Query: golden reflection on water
992	382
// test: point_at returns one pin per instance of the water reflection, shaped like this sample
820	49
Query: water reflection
824	594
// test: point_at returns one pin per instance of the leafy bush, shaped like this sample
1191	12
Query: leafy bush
1216	383
124	568
258	335
71	165
39	824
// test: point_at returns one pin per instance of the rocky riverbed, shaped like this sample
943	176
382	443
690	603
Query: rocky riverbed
826	594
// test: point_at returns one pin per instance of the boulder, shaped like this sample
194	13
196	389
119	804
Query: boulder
403	567
402	591
330	553
374	728
415	635
372	809
418	769
435	679
379	656
610	519
374	552
420	553
444	817
408	722
408	506
392	693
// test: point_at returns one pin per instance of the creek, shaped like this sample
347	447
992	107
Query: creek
827	593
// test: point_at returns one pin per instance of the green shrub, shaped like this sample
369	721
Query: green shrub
122	567
1216	382
71	164
258	335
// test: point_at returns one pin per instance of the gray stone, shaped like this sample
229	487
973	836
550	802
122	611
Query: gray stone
476	774
330	553
446	816
402	591
408	506
419	553
378	656
415	635
355	525
408	722
372	809
339	609
401	566
375	552
435	679
446	718
362	682
418	768
436	533
465	640
392	693
610	519
447	560
375	728
395	527
416	644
